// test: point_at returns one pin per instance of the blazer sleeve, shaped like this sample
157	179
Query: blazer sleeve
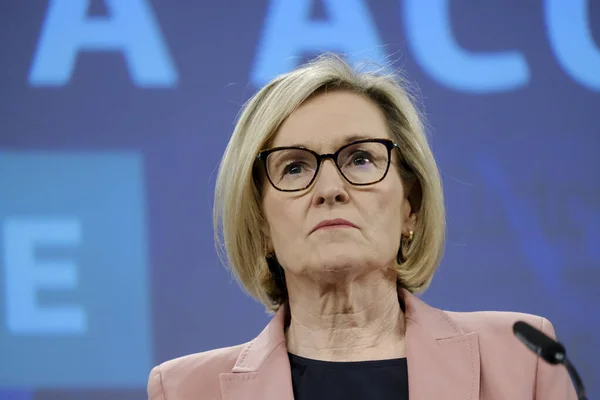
552	381
155	387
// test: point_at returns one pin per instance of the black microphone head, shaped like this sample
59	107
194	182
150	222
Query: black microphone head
540	343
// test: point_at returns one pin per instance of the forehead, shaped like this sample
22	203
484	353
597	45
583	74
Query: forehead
329	120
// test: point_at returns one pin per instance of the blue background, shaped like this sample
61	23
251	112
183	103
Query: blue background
116	112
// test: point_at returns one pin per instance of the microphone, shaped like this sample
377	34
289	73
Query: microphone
550	350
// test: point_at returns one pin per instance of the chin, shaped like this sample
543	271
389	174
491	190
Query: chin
340	257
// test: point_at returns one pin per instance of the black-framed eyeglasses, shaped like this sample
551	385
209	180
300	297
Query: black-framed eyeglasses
362	162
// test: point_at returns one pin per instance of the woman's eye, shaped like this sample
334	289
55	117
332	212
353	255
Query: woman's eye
293	168
361	158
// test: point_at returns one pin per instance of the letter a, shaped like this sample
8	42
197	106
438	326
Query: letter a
289	33
130	29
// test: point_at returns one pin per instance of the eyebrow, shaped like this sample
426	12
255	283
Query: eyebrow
345	140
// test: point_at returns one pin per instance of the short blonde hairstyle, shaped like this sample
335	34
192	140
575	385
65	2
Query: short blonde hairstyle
239	223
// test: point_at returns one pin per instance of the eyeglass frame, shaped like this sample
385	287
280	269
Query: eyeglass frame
389	144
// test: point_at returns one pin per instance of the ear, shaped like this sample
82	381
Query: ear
410	224
409	218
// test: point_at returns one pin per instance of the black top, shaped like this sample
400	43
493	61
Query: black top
372	380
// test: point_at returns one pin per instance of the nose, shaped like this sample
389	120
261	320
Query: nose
330	185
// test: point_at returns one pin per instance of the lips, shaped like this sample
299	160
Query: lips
333	222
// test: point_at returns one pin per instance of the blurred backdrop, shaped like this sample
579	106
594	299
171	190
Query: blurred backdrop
114	115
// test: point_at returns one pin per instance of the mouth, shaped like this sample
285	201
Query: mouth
333	223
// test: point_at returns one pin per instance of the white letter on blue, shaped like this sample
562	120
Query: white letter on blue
288	33
570	37
130	29
25	276
430	35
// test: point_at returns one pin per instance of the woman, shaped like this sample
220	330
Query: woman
331	209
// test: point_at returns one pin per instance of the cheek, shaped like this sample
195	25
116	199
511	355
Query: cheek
385	210
279	213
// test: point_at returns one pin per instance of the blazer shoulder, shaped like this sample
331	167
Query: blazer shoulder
506	363
222	360
192	374
498	322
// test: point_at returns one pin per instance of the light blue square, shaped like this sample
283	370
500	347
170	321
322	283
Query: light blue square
87	323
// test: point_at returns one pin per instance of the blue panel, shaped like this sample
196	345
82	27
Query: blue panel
74	271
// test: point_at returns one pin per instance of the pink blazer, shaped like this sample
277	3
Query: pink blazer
450	356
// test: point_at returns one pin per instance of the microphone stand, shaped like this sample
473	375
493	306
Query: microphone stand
575	378
549	350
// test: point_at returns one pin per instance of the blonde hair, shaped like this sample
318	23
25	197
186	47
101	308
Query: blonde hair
237	217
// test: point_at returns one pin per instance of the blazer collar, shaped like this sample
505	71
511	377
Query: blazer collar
262	370
443	361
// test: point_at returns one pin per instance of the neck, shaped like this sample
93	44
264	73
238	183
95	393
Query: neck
357	321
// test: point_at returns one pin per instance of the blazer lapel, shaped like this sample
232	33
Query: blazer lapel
443	361
262	370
